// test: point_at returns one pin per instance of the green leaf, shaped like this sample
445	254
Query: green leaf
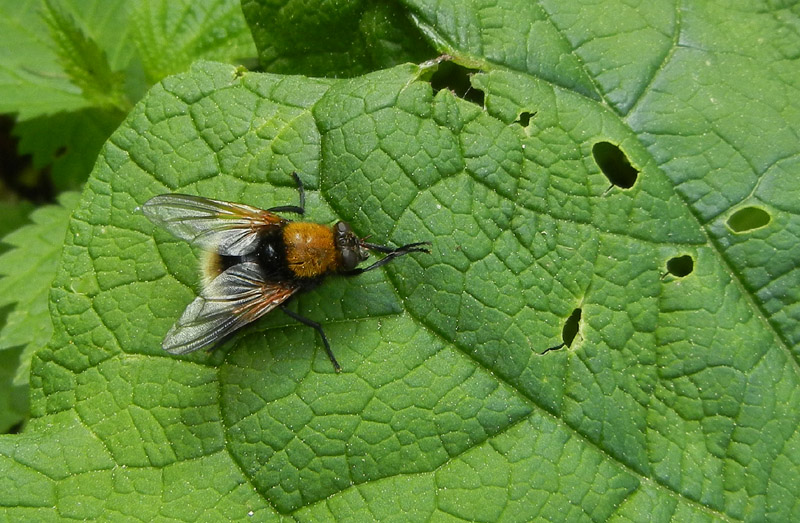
322	38
618	170
84	62
26	272
15	215
67	55
13	398
171	34
67	143
34	69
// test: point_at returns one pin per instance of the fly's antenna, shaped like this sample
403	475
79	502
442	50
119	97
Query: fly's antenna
390	252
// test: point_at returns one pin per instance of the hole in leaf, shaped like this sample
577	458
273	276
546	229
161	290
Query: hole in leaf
569	331
748	218
525	118
614	164
245	64
455	77
680	266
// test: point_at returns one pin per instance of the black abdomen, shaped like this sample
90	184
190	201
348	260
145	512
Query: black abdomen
270	255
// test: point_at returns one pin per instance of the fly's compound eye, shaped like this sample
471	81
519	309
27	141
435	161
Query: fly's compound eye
342	231
350	259
349	246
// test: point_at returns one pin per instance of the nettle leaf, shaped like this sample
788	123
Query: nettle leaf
171	34
27	270
13	398
68	55
15	215
626	186
37	69
73	68
28	264
66	143
84	61
321	38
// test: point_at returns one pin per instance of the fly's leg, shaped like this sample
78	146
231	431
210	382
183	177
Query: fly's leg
318	327
297	209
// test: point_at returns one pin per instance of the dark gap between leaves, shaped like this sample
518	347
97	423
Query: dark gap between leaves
16	428
5	310
614	164
18	175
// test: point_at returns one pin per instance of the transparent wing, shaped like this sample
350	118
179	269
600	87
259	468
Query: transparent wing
228	228
233	299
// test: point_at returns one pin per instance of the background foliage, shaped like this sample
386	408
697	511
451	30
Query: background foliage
620	179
